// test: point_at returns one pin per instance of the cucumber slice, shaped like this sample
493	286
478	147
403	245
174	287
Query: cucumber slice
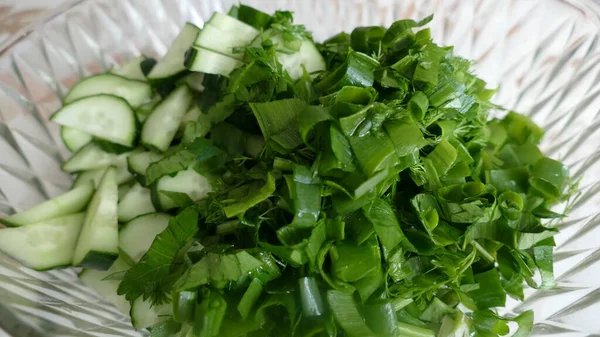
134	92
308	56
189	182
194	81
191	116
132	69
171	64
231	26
210	62
123	174
91	161
137	164
94	176
136	236
222	42
68	203
136	202
145	110
144	315
107	289
74	139
203	122
162	124
124	188
253	17
98	242
89	157
107	117
44	245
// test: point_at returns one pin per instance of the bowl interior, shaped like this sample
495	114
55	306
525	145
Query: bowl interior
544	56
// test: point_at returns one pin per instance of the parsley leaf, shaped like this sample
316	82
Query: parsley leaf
150	276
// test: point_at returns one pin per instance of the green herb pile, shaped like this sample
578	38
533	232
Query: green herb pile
385	202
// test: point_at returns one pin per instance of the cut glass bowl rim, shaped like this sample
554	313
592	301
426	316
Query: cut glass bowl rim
589	8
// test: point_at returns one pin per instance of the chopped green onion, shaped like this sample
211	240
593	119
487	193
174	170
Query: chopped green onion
418	105
278	121
347	315
406	137
358	70
250	297
350	262
310	297
306	197
381	318
414	331
549	177
184	306
511	205
385	224
209	314
369	284
366	39
521	129
442	157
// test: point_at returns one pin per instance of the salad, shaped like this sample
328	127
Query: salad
253	182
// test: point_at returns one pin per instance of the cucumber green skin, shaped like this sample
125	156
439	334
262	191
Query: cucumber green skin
137	131
99	260
116	148
8	223
189	57
158	82
54	267
147	65
173	77
97	75
151	147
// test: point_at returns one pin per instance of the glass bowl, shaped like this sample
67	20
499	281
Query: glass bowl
543	54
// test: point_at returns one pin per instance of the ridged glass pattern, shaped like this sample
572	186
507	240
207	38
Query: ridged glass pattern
543	54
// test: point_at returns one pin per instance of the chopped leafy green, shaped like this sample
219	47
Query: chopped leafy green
152	276
250	297
217	270
358	70
251	199
210	314
346	313
278	121
351	262
386	226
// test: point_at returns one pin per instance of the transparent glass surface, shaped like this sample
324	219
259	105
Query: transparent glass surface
543	54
